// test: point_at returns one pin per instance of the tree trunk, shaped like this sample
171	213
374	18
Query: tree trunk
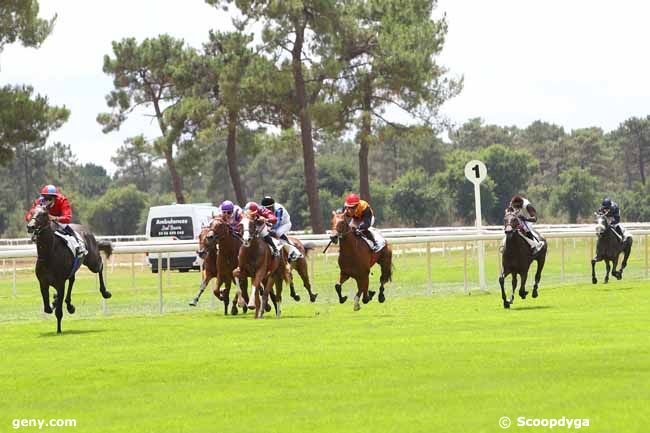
231	155
641	161
306	133
168	151
364	142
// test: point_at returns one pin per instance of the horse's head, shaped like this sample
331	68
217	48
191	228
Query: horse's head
249	227
602	224
206	241
40	219
340	223
510	223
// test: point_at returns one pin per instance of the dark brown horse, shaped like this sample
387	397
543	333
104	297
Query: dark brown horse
256	262
355	260
301	267
608	248
219	236
516	259
56	263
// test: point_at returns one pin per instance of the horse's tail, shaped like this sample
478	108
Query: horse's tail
106	247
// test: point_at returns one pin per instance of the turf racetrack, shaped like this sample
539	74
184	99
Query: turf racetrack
417	363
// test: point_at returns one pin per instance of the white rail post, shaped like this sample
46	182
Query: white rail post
465	268
429	266
132	271
562	265
14	277
169	269
160	283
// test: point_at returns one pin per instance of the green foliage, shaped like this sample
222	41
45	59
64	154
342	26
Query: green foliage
635	203
19	21
92	180
414	201
118	211
576	194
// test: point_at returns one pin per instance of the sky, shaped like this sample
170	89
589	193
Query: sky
574	63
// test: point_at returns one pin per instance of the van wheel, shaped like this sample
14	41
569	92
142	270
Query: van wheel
183	270
154	271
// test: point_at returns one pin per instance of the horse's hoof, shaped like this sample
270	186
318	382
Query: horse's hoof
523	295
106	294
535	294
245	308
619	275
606	280
506	304
594	280
296	298
267	308
234	310
47	310
365	300
357	307
70	308
381	298
312	298
371	294
193	302
342	299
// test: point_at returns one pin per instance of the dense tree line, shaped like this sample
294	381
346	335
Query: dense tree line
306	115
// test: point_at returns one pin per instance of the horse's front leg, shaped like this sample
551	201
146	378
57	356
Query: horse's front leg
522	288
514	287
58	305
339	286
204	284
607	269
45	293
594	280
616	274
256	287
502	279
362	290
68	296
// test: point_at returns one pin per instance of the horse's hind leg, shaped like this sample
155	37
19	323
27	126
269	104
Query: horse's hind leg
339	287
204	284
68	296
607	269
514	287
522	288
386	272
626	254
102	286
615	274
304	276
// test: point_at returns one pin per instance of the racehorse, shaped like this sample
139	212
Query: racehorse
608	248
258	263
516	259
218	233
300	265
355	260
56	263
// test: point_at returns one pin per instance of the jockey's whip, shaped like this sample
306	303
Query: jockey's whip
328	245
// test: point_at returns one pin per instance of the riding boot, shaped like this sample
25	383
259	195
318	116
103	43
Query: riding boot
619	230
286	239
269	240
371	237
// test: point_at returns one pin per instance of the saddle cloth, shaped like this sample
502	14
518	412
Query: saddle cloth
71	241
294	253
381	242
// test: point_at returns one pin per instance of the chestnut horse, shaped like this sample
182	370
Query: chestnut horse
355	260
220	234
257	262
516	259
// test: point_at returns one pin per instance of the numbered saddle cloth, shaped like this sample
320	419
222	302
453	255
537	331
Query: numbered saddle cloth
293	252
379	240
73	242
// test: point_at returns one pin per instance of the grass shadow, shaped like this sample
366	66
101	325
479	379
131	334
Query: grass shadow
72	332
532	307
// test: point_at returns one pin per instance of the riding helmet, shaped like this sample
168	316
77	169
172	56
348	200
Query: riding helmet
607	203
268	201
251	207
227	206
49	190
352	200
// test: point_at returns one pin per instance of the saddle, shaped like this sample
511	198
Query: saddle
380	242
72	239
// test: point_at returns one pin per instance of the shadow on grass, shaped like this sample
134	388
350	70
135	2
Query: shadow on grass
72	332
531	307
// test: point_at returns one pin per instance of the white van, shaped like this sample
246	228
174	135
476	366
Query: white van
177	221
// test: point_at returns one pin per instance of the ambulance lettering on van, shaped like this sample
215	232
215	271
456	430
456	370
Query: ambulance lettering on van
177	222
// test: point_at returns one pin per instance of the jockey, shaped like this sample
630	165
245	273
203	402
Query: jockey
527	215
60	212
262	218
362	216
283	225
611	210
231	214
